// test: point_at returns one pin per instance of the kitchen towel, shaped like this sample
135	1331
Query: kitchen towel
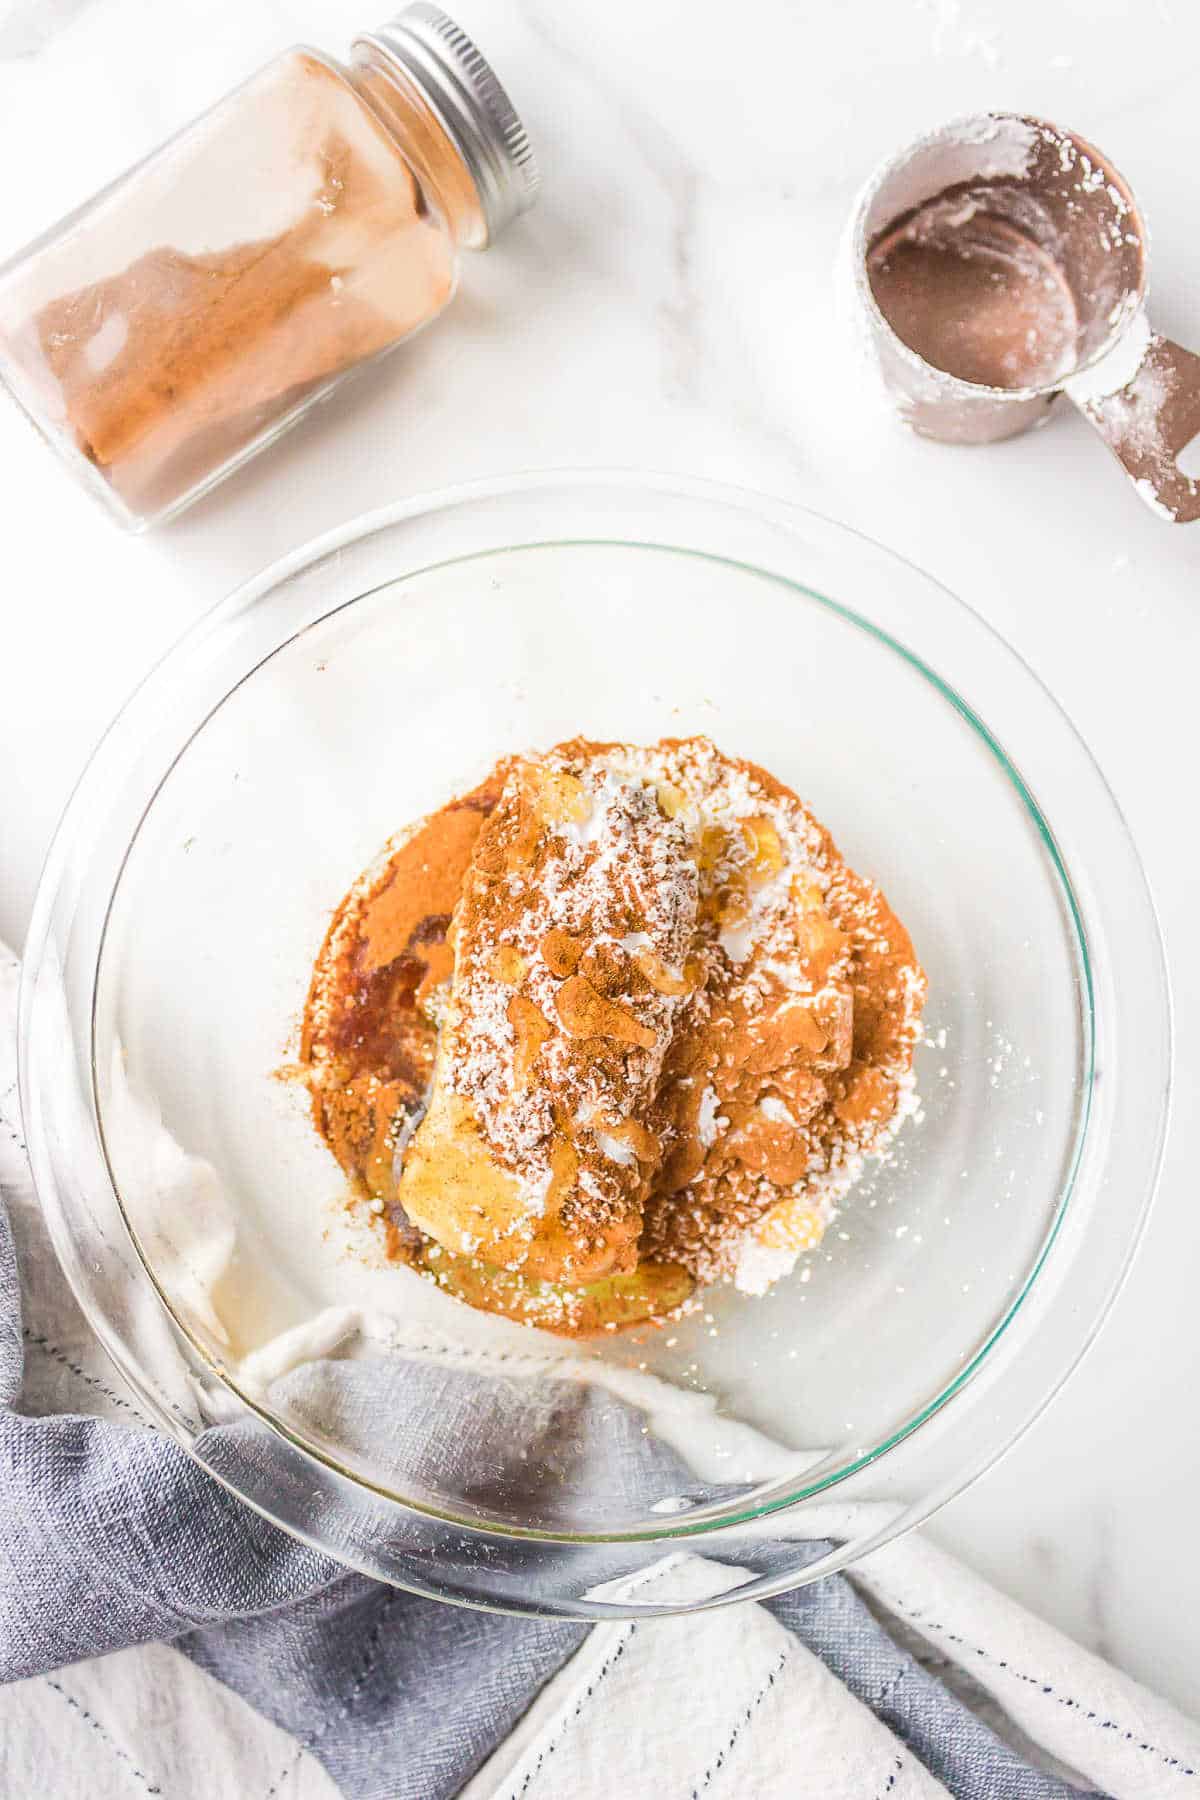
915	1679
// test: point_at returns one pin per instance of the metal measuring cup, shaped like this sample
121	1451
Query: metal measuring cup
999	262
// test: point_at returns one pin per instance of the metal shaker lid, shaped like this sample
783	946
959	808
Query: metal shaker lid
461	86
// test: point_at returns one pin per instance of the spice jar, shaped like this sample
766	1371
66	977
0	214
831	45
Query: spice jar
309	223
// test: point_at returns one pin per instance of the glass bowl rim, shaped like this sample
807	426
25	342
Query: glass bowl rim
226	613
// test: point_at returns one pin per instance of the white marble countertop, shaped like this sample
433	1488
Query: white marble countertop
669	305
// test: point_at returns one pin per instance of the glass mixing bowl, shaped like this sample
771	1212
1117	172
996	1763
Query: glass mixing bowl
354	687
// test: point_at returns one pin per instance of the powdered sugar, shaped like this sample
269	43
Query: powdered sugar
771	1107
706	1124
653	1038
606	873
788	935
760	1266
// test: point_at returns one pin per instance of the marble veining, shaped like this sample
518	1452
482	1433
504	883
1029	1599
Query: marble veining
679	308
27	25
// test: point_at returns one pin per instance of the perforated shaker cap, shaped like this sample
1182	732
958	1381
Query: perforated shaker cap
461	86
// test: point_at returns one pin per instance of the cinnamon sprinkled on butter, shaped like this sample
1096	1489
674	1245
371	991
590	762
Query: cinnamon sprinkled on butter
677	1025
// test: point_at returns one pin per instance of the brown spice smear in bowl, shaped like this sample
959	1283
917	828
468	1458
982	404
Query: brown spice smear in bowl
618	1022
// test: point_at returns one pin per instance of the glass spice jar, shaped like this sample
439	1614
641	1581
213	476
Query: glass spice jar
308	223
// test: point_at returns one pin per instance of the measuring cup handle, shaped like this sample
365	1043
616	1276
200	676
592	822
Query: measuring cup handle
1149	419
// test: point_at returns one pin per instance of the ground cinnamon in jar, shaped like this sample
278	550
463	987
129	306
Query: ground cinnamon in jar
310	222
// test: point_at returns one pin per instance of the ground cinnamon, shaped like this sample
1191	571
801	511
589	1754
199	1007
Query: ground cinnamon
791	1023
309	222
171	365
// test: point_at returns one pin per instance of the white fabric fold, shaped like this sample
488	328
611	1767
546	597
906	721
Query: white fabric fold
722	1703
1086	1714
